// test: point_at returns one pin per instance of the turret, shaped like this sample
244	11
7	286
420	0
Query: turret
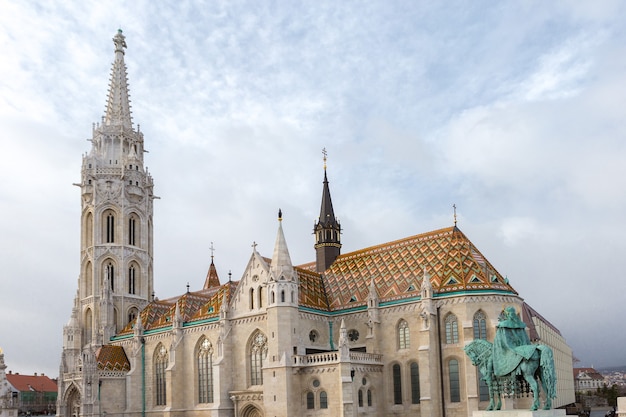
212	279
327	230
283	280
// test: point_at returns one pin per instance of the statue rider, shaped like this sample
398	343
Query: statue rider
511	343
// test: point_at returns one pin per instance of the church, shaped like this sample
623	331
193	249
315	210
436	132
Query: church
375	332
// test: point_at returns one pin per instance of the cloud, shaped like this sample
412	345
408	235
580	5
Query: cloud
515	113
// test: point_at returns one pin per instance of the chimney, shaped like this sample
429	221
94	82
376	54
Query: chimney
35	373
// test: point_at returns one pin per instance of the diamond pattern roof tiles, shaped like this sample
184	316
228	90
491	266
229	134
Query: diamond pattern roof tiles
451	259
112	358
453	262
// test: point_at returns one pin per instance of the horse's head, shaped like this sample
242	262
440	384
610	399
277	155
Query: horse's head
470	351
477	350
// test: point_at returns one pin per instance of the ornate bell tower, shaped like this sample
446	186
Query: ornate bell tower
116	249
327	230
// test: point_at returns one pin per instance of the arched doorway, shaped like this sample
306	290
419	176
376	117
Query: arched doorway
72	403
251	411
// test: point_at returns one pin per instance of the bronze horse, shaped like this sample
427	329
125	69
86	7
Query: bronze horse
539	366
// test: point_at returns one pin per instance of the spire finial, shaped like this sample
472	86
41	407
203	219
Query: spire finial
280	215
454	207
325	157
212	249
120	41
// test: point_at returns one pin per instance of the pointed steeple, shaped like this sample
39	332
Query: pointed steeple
327	230
212	280
281	267
118	102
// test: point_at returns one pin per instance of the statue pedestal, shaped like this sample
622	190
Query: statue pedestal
519	413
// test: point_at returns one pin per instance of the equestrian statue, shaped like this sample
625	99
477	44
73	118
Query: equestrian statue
511	355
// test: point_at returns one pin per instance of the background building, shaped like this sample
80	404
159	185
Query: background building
375	332
588	379
25	394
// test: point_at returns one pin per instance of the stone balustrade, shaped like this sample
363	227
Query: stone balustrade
325	358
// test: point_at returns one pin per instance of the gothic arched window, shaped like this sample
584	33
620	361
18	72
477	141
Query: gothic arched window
251	298
160	365
258	352
404	340
109	274
480	325
109	230
131	279
415	383
205	371
397	384
455	381
133	230
310	401
452	329
323	399
132	314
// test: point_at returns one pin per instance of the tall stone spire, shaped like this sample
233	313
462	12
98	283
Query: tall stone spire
281	267
327	230
118	103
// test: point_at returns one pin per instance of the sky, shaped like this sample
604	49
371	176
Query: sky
512	111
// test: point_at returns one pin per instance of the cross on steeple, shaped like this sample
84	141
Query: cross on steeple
212	249
325	157
454	207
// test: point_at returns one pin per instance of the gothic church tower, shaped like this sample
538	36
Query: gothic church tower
116	251
327	230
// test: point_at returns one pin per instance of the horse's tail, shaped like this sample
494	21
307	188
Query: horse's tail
548	373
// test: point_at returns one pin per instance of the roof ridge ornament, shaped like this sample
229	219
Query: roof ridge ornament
454	207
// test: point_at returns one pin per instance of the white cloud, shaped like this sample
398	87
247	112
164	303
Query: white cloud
515	113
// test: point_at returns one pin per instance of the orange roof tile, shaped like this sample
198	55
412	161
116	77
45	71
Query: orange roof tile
112	358
39	383
452	260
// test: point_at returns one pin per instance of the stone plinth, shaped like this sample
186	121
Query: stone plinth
519	413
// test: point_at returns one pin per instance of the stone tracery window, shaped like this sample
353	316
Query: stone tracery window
258	352
404	340
480	325
160	366
204	360
452	329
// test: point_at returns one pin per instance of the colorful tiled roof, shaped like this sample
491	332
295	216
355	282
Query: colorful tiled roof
455	265
212	280
397	268
39	383
193	306
112	358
